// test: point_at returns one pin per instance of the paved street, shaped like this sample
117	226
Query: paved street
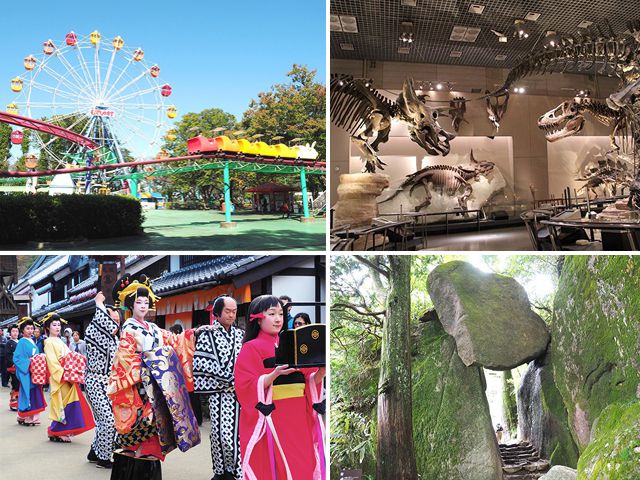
26	453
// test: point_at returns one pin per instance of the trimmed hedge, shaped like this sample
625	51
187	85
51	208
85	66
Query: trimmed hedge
41	217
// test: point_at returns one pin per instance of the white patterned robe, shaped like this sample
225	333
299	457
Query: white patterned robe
213	364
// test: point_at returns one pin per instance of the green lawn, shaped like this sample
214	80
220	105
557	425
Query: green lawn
200	230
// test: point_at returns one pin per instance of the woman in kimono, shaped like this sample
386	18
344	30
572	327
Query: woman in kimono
31	399
278	426
12	344
147	387
69	413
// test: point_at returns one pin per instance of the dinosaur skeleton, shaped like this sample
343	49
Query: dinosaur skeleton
608	174
365	114
446	179
457	109
567	119
497	109
593	52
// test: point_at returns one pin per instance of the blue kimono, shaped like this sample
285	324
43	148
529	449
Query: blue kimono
31	399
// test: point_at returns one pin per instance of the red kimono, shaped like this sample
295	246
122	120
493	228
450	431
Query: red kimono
293	433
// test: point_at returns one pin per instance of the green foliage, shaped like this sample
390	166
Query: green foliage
42	217
292	110
614	452
509	402
5	145
352	445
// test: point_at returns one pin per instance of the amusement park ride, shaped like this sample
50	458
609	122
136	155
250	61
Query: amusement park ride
105	100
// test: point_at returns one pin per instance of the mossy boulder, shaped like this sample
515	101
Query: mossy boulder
489	316
452	432
560	473
614	451
542	416
595	337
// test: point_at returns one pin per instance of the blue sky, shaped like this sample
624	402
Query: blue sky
213	53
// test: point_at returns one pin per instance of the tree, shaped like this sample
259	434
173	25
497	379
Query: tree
292	110
396	457
510	403
5	145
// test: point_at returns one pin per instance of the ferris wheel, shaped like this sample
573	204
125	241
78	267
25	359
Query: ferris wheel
99	88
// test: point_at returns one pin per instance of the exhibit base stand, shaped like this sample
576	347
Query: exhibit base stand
228	224
357	198
307	219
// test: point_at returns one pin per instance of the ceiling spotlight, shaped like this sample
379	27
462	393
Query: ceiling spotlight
431	86
551	39
439	86
406	37
521	31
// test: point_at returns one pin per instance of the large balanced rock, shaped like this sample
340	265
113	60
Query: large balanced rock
357	195
452	432
560	473
542	416
614	451
595	331
489	316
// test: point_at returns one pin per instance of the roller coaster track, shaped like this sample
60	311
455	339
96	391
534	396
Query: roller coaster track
45	127
217	156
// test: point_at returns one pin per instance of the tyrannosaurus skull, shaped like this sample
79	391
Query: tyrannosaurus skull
563	121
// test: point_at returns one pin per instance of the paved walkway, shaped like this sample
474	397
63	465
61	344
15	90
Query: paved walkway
26	453
200	230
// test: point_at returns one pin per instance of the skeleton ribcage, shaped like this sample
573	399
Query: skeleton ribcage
353	103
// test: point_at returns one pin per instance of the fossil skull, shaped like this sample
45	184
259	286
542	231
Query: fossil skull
565	120
422	120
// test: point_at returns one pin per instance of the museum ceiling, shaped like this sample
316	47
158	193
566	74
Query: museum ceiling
384	28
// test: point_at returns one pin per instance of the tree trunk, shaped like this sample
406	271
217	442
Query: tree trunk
395	454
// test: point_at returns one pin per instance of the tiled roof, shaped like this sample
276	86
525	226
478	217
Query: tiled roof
214	271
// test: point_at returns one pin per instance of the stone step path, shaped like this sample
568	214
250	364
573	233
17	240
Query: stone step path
521	461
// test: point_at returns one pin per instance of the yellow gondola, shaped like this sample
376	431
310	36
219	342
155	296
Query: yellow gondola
171	135
247	147
16	84
172	111
265	150
12	108
227	145
95	37
285	152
